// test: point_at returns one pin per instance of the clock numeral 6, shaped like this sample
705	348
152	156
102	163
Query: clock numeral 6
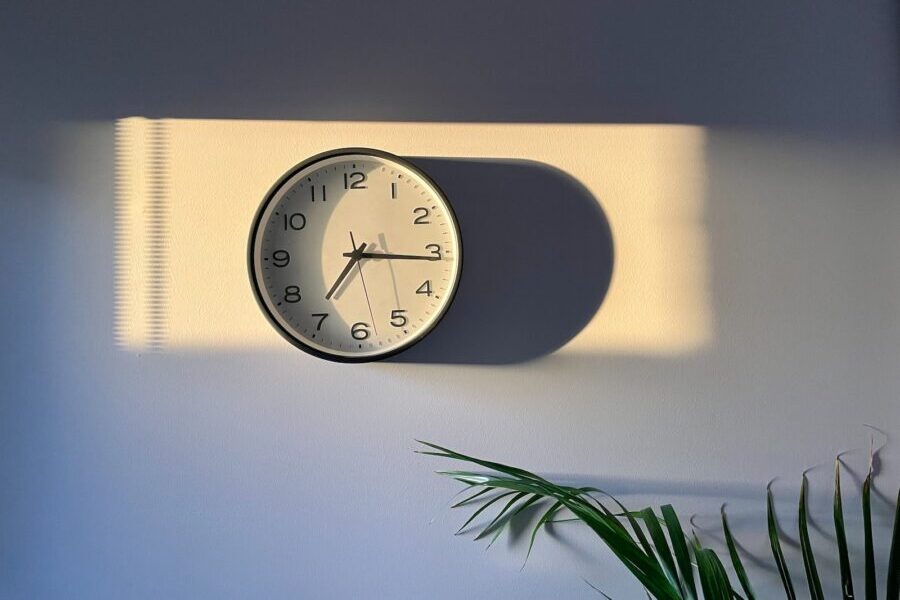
321	317
292	294
281	258
434	249
398	319
423	216
354	181
295	221
425	288
360	331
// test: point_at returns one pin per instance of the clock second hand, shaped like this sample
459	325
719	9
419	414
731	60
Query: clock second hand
363	280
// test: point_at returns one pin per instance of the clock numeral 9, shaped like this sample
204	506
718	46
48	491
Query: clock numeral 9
423	215
295	221
292	294
360	331
425	288
281	258
434	249
398	319
354	181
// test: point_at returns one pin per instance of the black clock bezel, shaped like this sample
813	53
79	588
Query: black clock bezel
270	195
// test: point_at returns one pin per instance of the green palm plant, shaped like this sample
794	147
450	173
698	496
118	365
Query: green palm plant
653	547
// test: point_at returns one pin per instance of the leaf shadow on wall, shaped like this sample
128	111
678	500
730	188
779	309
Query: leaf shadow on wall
537	262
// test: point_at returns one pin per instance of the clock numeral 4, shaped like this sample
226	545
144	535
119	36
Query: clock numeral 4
354	181
296	221
425	288
292	294
321	317
281	258
422	219
398	319
360	331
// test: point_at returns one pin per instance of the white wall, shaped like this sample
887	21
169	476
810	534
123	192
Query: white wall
263	472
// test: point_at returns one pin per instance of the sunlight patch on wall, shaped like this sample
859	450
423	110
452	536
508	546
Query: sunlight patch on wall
187	191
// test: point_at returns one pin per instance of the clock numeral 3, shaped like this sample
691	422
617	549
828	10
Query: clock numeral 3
281	258
360	331
398	319
434	249
423	215
321	317
295	221
425	288
354	181
292	294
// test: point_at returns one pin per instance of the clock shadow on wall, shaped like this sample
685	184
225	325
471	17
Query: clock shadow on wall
537	261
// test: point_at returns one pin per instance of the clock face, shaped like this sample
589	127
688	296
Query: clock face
355	255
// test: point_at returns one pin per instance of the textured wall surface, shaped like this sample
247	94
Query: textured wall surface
748	156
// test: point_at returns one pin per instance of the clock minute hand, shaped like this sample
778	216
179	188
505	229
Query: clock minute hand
394	256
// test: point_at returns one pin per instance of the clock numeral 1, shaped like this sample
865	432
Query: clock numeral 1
393	191
425	288
398	319
312	193
360	331
292	294
321	317
296	221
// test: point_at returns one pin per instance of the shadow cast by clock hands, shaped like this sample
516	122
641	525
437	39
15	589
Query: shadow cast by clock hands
537	262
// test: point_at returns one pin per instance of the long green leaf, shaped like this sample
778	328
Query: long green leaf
840	533
680	548
483	508
775	542
809	560
713	578
546	518
893	580
661	544
490	526
735	558
871	586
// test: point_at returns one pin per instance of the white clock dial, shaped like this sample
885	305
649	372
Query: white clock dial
355	255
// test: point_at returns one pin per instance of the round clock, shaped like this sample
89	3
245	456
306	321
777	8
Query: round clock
355	255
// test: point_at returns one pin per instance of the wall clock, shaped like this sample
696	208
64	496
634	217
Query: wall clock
355	255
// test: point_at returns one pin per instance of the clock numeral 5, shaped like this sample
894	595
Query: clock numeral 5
425	288
292	294
398	319
295	221
360	331
281	258
423	216
321	317
354	181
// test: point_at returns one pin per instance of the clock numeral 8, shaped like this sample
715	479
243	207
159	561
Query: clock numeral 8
292	294
398	319
360	331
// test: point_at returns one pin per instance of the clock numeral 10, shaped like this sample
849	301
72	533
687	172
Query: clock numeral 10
296	221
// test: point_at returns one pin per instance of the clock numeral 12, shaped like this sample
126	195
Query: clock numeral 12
354	181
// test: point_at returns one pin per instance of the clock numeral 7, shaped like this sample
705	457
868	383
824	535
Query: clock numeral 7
321	317
398	319
354	181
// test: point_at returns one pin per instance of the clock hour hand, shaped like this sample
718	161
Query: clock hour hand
354	258
394	256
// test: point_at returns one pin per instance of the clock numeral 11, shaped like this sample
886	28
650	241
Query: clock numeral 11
312	193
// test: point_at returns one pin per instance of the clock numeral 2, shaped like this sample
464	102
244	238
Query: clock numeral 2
425	288
296	221
354	181
423	215
398	319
